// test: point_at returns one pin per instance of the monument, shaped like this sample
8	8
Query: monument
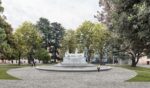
74	59
73	62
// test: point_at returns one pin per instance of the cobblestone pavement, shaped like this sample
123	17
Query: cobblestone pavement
32	78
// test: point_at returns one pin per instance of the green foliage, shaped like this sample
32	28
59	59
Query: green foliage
44	26
69	42
7	51
130	20
27	38
43	55
89	35
84	34
46	30
100	36
2	35
52	35
6	37
50	31
92	34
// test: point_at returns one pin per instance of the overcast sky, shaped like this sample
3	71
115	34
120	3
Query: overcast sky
70	13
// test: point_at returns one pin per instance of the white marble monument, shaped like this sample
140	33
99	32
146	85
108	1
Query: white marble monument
74	59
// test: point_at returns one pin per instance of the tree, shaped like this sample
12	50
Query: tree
42	54
107	8
69	41
131	20
56	37
92	36
28	39
2	36
100	37
84	36
44	26
52	36
6	38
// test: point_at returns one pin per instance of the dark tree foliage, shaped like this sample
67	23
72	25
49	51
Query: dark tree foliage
58	31
131	20
52	36
44	26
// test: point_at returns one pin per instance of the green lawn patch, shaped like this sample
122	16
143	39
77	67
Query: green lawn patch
5	68
143	74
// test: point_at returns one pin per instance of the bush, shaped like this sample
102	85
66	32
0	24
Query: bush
43	55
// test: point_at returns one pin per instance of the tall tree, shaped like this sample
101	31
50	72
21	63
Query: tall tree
56	37
28	39
84	36
92	36
44	26
100	37
42	55
6	35
69	41
131	20
52	36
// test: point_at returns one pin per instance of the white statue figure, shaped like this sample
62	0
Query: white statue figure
66	53
76	51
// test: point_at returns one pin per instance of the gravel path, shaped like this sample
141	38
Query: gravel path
146	66
32	78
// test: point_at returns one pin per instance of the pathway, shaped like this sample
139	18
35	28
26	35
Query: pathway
32	78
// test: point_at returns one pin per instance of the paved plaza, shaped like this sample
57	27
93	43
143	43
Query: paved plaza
32	78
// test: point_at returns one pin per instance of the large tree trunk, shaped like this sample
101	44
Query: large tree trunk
133	62
19	59
135	59
101	57
30	58
88	55
19	62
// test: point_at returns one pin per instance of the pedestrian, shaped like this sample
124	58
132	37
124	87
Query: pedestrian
34	63
98	68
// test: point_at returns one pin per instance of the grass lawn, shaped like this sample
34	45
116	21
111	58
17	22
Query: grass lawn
5	68
143	74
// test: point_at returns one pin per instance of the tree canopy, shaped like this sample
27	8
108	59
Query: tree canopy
130	19
28	39
52	35
6	38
